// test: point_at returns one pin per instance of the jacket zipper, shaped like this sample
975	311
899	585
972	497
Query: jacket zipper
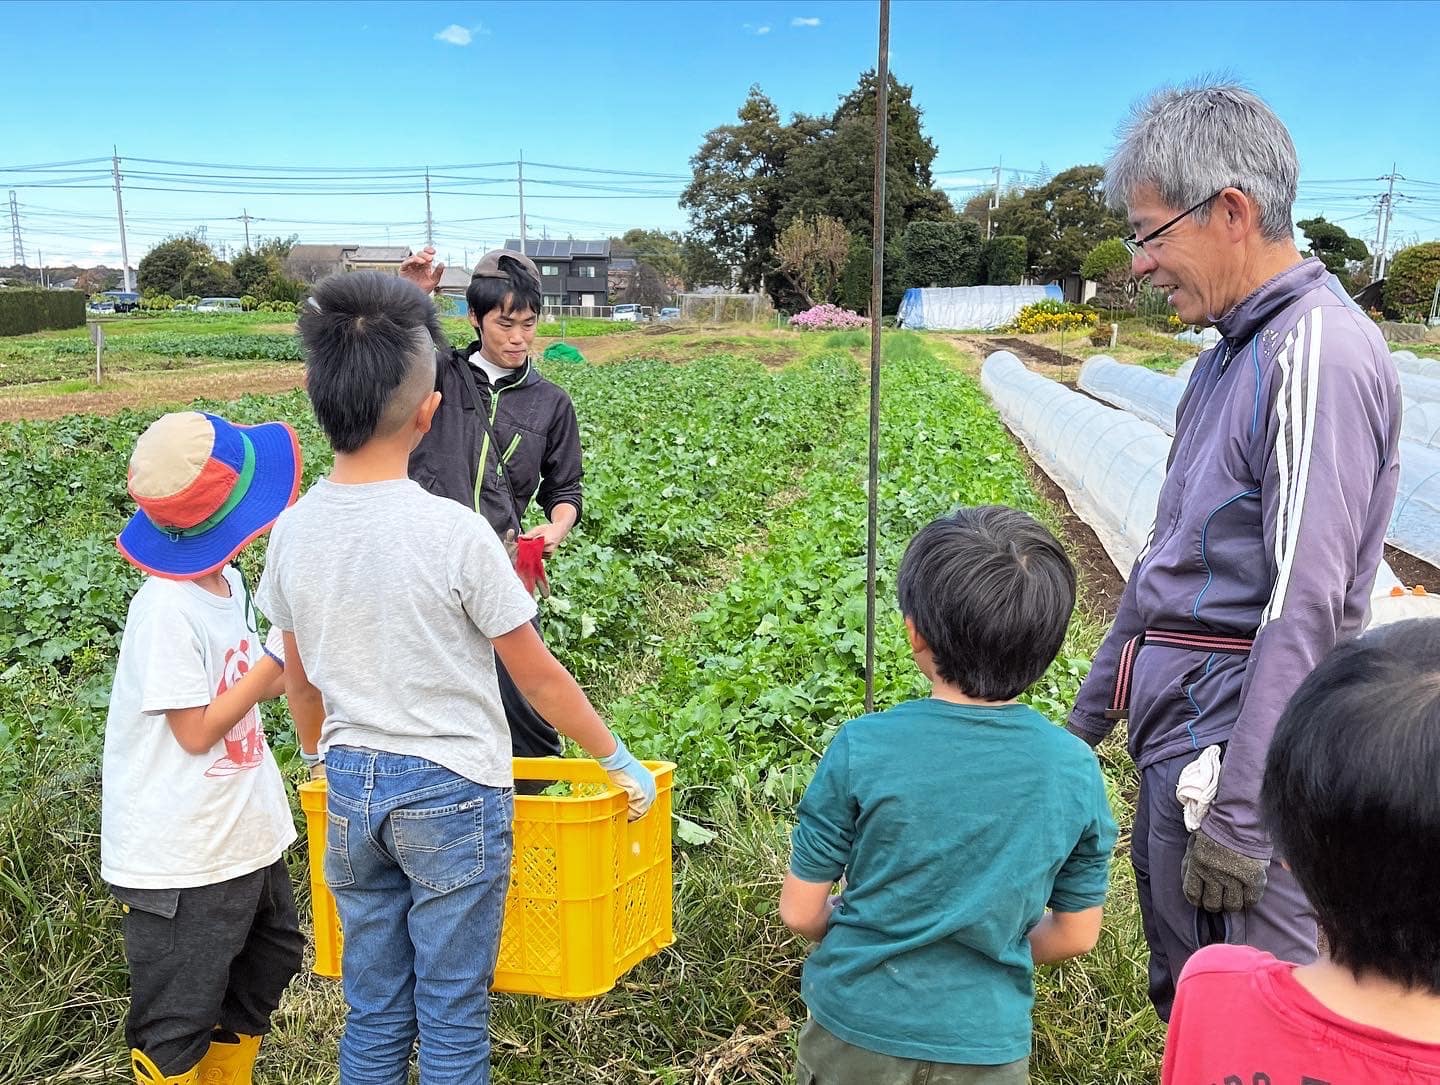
485	443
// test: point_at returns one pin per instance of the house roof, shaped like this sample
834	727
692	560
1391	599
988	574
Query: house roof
560	250
379	254
623	263
455	278
318	254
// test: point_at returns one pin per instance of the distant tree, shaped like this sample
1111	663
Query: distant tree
1004	260
941	253
753	179
278	247
660	250
250	268
736	191
977	207
700	266
209	278
811	253
163	267
1342	254
1108	266
96	280
648	286
1061	220
1410	281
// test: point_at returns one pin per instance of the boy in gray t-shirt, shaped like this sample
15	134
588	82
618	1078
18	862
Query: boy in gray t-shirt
394	604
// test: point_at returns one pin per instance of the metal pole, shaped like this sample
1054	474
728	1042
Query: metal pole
877	272
245	218
1385	234
17	243
120	213
429	222
520	181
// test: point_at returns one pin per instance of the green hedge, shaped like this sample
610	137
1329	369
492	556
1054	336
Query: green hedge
25	311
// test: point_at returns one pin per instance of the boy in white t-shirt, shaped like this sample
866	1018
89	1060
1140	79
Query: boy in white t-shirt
395	605
195	820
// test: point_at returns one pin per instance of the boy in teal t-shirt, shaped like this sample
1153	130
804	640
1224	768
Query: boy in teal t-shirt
974	835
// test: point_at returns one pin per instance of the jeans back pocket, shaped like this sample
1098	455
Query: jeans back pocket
441	848
339	874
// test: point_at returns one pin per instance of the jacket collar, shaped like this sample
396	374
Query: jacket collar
1247	316
514	378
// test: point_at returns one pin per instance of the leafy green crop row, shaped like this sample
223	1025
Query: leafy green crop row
777	661
679	460
262	346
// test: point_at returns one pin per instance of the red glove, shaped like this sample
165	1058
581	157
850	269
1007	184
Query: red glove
530	563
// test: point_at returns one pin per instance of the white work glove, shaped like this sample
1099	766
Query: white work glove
631	777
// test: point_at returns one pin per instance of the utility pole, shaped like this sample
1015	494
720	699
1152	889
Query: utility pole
520	180
120	214
1387	207
17	245
245	218
429	222
40	259
993	205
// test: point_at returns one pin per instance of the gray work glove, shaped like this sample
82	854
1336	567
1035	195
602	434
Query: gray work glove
1218	879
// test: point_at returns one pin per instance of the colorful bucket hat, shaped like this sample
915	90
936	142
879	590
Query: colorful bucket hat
205	489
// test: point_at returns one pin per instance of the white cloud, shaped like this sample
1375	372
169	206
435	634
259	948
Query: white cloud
762	30
756	30
800	20
455	34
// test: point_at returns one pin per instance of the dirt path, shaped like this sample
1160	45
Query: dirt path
167	388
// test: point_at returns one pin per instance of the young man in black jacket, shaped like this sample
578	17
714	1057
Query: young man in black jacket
503	434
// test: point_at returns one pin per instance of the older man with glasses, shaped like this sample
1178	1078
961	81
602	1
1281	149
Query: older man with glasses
1270	526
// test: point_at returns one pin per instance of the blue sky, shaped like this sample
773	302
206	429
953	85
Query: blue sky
633	86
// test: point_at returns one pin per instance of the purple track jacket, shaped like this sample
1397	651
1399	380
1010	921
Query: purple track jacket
1271	524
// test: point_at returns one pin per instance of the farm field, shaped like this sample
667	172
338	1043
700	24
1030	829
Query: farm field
712	602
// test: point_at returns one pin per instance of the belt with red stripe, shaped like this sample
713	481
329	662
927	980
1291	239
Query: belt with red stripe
1190	640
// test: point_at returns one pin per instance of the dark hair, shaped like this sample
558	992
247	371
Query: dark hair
991	592
360	332
1351	796
513	295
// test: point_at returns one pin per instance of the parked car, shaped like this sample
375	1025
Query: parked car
625	312
123	300
669	313
218	305
101	307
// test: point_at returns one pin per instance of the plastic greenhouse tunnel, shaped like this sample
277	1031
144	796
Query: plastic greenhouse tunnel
1110	463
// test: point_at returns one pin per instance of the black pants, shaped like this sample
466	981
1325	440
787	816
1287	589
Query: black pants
530	734
216	956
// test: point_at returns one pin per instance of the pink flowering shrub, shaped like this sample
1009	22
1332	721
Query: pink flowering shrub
828	317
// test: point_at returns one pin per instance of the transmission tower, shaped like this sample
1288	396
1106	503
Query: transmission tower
17	246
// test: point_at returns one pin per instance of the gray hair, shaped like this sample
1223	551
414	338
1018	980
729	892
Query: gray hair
1189	142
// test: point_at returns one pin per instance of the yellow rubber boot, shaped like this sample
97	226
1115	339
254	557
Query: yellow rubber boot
147	1073
227	1063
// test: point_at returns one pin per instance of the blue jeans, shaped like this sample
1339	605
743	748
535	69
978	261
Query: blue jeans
419	861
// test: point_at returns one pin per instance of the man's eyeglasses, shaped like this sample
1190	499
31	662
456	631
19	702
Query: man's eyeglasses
1136	245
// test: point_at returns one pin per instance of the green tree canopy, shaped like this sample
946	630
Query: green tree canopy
162	268
752	179
1410	281
1061	220
941	253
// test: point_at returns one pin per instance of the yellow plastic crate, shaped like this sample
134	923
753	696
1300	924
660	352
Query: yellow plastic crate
590	892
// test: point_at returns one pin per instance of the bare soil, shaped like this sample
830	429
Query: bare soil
138	390
1034	352
1413	571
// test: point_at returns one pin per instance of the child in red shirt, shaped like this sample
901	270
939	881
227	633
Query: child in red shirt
1352	797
